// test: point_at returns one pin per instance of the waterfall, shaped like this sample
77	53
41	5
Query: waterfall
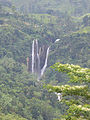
45	65
36	67
33	57
38	60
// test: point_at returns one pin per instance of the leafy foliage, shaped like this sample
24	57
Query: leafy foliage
21	96
77	108
74	7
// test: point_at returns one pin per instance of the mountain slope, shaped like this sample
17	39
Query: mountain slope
21	95
74	7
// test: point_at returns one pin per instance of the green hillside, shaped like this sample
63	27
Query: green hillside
74	7
22	97
17	31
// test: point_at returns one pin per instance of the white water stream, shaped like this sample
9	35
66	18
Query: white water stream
33	57
36	56
45	65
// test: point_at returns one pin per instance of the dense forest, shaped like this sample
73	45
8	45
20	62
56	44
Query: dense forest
60	31
73	7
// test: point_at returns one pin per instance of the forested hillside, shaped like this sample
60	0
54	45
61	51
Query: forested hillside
54	25
74	7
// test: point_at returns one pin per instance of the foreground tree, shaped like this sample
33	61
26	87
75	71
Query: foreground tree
77	94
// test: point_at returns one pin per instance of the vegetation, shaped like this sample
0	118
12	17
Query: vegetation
74	7
22	97
21	94
75	96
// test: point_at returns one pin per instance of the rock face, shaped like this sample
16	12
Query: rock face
42	53
39	59
28	64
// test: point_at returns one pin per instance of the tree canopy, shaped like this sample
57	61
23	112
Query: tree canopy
76	94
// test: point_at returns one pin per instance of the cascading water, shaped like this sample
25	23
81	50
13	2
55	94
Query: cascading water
45	65
33	56
37	64
38	61
36	68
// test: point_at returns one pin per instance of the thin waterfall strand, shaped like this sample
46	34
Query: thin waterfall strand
38	57
33	57
36	60
45	65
